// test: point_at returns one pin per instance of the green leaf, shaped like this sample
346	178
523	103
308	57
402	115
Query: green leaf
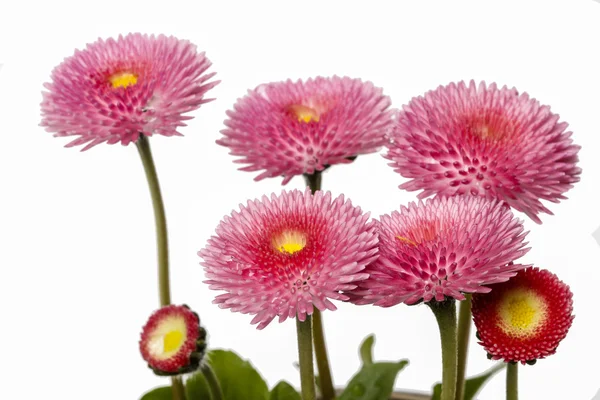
366	350
284	391
237	377
437	391
472	385
196	387
161	393
374	381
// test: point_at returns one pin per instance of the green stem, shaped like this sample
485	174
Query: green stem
445	314
326	383
512	381
313	181
160	220
177	389
464	330
162	243
213	383
305	355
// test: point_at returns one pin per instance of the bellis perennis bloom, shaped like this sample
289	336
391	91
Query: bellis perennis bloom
524	319
173	342
284	255
115	90
486	141
292	128
441	248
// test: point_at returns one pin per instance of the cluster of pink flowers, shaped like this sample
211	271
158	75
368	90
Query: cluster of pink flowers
478	149
481	150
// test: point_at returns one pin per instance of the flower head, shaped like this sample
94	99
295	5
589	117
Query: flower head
292	128
173	342
440	249
115	90
285	255
525	318
485	141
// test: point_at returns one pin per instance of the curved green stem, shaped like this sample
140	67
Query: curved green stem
162	243
213	383
305	356
512	381
445	314
464	330
160	220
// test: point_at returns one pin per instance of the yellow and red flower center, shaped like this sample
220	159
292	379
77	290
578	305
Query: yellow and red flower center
304	113
168	337
521	312
289	242
123	79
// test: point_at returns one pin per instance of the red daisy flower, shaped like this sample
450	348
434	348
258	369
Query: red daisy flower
441	248
285	255
173	342
525	318
292	128
485	141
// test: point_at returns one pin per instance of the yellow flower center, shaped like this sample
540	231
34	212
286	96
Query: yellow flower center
289	242
521	312
123	79
172	341
304	113
167	338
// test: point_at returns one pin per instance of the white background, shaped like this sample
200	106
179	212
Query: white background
77	255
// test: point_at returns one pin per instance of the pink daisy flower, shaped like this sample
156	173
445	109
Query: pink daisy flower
285	255
484	141
115	90
172	341
524	319
441	248
292	128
